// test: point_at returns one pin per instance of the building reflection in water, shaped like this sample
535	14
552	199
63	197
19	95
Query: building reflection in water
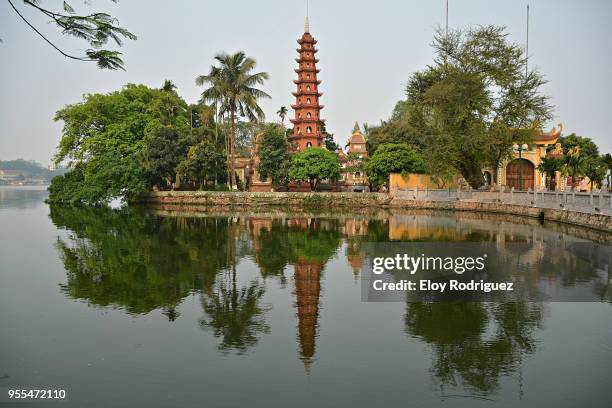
307	278
139	262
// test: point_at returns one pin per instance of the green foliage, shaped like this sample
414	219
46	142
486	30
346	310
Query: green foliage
549	166
95	28
355	164
115	143
330	143
595	168
274	156
313	165
393	158
586	146
163	151
465	110
581	158
282	112
202	164
232	87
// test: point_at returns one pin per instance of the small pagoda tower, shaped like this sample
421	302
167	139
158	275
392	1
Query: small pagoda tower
307	120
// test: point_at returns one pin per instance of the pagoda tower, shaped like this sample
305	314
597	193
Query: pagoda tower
307	120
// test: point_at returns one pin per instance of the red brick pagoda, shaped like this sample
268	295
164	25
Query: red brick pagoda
307	121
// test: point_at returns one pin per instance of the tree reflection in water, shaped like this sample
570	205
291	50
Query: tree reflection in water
473	343
139	262
235	315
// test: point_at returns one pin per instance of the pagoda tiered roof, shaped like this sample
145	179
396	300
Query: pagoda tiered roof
306	120
301	59
306	40
306	92
305	105
307	69
301	50
307	81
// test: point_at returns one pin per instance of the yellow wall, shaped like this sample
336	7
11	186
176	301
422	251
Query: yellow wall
422	181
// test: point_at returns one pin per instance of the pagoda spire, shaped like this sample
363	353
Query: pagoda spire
306	23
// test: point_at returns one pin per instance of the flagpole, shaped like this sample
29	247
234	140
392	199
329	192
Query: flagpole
527	46
447	18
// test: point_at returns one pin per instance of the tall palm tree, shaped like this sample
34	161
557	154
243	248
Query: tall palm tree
282	112
232	85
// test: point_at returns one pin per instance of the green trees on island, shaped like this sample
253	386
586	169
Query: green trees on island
393	158
313	165
130	141
232	87
114	144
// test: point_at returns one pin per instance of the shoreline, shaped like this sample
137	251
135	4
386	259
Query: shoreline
205	201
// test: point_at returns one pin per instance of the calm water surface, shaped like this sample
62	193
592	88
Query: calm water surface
151	308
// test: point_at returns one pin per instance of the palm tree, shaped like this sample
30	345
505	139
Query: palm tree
282	112
232	85
168	86
550	166
573	163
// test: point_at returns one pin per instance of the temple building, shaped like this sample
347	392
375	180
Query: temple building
521	172
354	176
307	120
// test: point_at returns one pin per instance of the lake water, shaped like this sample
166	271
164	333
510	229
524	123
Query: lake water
157	308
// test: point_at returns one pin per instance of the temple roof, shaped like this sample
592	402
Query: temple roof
357	137
551	136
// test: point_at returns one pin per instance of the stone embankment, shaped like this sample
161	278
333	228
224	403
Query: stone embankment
352	201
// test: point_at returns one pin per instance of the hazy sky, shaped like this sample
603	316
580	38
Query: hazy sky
368	49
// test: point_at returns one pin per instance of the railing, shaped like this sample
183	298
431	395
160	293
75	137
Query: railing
595	202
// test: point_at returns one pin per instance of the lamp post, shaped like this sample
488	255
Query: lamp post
522	148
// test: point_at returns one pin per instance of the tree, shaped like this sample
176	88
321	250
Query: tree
595	169
168	86
393	158
330	143
113	143
282	112
274	156
580	154
232	83
314	164
587	148
574	164
163	151
96	29
355	164
201	164
550	166
467	108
